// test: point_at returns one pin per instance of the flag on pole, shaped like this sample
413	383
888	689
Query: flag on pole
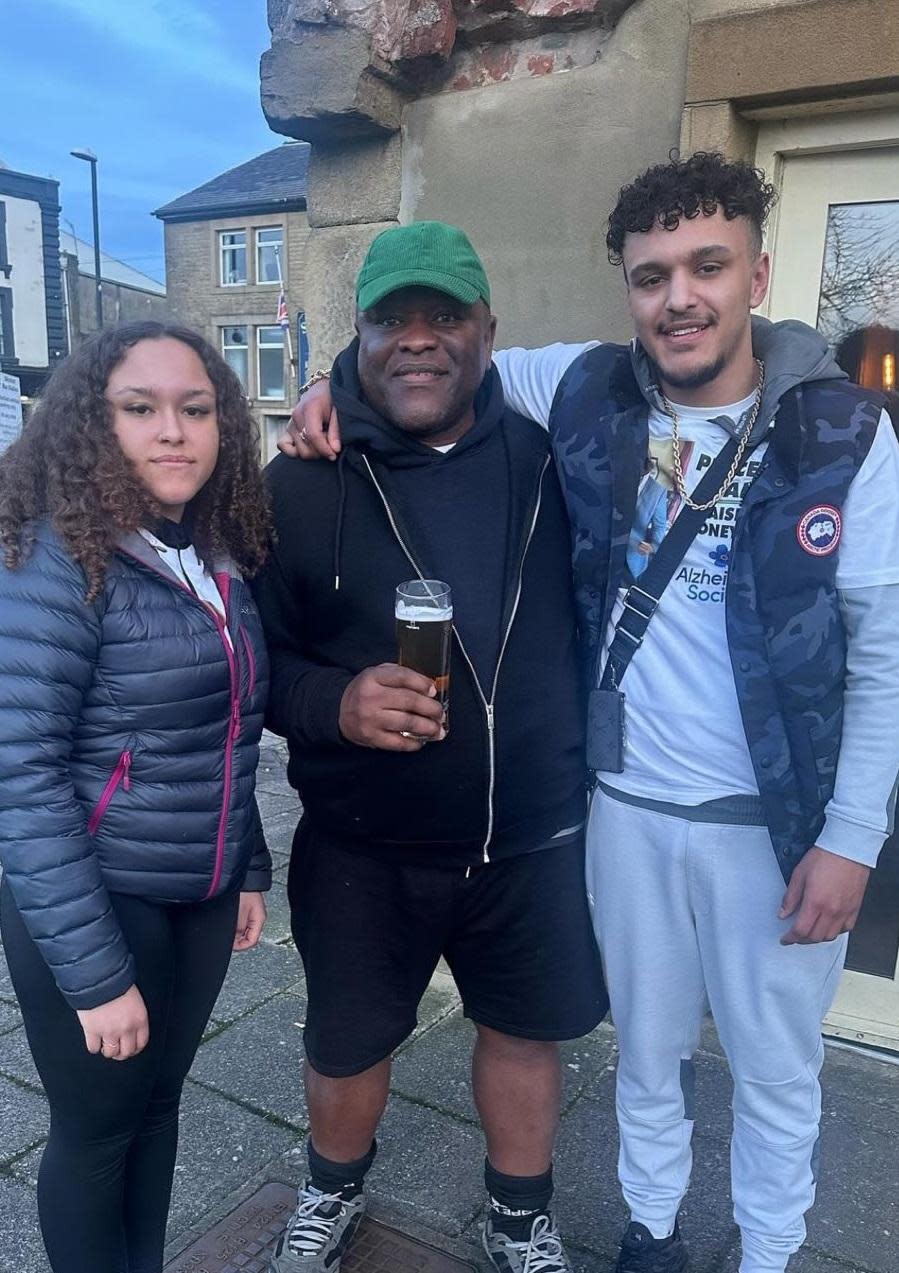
283	318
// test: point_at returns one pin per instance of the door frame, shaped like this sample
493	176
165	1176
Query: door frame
866	1008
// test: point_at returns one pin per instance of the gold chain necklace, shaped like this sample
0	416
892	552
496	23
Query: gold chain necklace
738	458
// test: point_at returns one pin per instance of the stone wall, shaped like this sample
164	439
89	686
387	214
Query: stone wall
120	304
517	119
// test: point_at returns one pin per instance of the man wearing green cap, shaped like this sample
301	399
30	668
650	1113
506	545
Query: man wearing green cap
418	839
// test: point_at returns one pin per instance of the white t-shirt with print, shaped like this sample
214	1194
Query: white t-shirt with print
685	737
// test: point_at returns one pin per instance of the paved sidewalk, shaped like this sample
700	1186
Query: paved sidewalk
244	1119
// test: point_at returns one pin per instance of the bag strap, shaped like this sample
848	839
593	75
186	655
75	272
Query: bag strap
642	600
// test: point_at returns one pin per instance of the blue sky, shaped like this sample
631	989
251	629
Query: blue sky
165	92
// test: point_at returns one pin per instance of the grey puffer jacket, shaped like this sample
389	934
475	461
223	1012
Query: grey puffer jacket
129	739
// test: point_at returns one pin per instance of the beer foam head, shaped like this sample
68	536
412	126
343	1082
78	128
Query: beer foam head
415	612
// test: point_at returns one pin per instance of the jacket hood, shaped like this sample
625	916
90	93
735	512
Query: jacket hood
361	426
793	354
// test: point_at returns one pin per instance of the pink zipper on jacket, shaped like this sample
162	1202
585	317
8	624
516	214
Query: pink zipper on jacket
121	774
231	737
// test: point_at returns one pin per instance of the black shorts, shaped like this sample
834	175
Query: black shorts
515	933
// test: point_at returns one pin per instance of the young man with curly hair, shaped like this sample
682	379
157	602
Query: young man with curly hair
743	736
731	839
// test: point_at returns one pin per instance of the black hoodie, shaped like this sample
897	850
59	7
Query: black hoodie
488	518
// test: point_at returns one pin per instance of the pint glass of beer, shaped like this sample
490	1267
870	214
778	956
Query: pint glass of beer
424	625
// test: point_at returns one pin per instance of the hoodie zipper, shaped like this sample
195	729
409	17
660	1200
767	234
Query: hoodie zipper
487	705
121	774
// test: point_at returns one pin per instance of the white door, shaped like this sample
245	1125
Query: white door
835	264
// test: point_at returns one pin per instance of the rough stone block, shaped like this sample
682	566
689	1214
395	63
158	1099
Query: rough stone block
355	182
321	87
712	126
334	256
428	34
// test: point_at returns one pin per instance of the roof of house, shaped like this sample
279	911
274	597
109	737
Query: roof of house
273	181
111	270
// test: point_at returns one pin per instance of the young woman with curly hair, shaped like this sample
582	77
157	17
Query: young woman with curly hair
133	680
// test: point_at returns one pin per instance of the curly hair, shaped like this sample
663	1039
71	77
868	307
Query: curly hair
67	465
701	184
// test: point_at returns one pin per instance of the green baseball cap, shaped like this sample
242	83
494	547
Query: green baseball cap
424	254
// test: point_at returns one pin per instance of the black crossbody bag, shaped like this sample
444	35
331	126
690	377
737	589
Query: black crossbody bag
606	724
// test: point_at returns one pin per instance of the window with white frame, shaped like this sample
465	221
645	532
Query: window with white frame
270	362
236	352
269	254
233	257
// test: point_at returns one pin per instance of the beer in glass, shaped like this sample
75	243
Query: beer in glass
424	626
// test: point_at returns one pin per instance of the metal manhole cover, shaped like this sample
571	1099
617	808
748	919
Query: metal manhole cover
377	1248
242	1242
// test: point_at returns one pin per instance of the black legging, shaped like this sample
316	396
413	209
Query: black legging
105	1179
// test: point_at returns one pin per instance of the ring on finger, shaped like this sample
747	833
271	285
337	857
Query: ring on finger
304	436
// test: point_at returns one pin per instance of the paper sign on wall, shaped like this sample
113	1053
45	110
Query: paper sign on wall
10	410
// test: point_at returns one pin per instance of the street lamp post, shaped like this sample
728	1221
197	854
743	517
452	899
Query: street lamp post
89	157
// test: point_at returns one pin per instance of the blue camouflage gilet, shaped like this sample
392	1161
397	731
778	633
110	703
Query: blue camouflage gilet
785	631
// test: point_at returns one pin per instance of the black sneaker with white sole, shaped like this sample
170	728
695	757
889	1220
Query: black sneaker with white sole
642	1253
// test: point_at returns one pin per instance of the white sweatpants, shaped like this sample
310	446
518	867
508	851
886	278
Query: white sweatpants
685	915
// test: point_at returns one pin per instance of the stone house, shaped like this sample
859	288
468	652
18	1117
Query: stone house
520	120
230	245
